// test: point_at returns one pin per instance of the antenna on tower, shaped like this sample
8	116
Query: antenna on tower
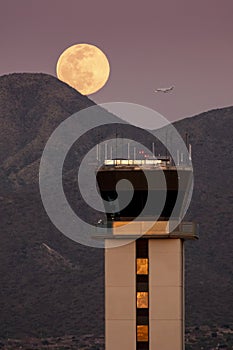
128	150
116	142
97	152
187	139
178	157
106	151
182	157
190	152
134	153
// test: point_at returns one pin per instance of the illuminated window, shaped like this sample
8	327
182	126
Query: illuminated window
142	300
142	333
142	266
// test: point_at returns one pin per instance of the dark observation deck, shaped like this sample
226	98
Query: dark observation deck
175	188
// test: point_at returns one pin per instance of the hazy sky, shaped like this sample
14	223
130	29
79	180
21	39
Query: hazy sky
149	44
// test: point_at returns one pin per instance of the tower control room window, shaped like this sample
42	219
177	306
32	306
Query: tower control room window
142	266
142	300
142	333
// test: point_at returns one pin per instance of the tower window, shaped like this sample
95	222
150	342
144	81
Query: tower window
142	300
142	266
142	334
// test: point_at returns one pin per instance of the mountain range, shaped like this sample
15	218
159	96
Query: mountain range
52	286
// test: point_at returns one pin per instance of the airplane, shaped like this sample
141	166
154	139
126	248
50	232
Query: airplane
165	90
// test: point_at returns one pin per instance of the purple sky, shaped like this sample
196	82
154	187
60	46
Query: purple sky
149	44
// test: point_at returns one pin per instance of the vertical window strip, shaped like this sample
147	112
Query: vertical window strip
142	294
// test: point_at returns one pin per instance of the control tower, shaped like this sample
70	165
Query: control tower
144	274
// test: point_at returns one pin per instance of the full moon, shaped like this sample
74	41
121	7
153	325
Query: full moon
84	67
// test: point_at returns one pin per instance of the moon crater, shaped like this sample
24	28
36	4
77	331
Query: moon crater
84	67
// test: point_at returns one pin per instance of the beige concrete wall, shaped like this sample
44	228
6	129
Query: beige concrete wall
120	335
166	335
165	259
120	265
120	297
166	303
166	294
120	302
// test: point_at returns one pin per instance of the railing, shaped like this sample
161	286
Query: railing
136	162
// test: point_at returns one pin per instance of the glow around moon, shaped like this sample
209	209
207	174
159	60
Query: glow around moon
84	67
